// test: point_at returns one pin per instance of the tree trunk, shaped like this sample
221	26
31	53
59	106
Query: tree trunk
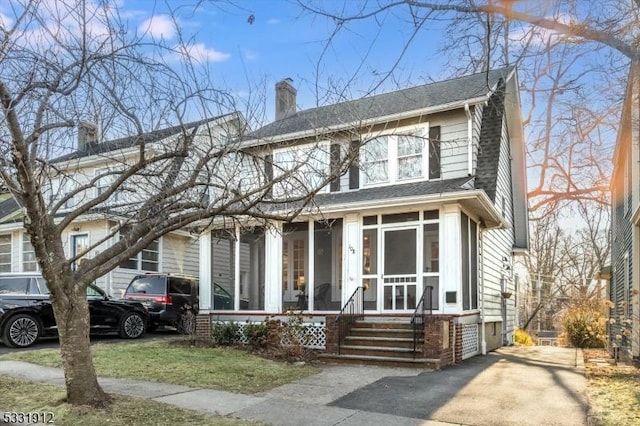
72	317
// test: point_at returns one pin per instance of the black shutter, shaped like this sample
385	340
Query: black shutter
434	152
354	169
268	173
334	167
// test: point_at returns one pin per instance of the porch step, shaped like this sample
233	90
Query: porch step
381	361
378	351
394	333
400	324
394	342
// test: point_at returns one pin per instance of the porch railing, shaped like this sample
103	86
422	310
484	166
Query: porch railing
423	308
350	312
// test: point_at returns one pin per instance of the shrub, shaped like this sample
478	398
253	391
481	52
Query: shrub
257	335
584	326
225	333
523	338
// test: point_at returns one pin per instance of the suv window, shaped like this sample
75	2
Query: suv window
18	285
179	285
147	285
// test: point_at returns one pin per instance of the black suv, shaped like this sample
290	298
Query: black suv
26	313
171	299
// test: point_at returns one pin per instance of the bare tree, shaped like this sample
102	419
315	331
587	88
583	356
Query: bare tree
65	63
572	59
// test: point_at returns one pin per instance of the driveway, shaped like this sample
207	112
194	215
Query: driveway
513	385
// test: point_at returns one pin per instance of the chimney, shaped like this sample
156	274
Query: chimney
285	99
87	134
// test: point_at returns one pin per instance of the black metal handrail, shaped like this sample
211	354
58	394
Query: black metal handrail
425	304
349	314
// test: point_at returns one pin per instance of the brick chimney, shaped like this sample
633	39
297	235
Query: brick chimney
285	99
87	134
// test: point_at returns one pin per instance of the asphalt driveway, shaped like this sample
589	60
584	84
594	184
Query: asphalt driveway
512	386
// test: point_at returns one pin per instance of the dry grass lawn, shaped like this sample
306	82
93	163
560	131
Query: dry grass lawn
613	392
19	396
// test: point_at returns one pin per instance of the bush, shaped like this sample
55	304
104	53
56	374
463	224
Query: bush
257	335
584	326
225	333
523	338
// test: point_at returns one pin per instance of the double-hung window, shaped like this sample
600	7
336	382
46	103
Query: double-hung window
396	158
5	253
301	169
29	260
146	260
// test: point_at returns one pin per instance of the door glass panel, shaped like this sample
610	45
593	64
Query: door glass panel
400	252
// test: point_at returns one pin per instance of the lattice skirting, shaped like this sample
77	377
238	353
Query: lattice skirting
312	336
469	340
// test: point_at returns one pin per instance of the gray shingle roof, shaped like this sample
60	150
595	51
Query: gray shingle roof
131	141
490	136
396	191
8	207
411	99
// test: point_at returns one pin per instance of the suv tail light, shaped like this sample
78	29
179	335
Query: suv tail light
163	299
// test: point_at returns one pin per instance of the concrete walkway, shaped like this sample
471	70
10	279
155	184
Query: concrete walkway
511	386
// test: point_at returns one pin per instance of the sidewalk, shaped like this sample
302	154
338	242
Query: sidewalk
524	386
302	402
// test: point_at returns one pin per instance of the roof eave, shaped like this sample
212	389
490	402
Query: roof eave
368	122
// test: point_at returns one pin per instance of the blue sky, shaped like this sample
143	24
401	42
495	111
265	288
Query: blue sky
284	41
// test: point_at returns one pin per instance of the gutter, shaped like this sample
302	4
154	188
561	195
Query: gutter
483	343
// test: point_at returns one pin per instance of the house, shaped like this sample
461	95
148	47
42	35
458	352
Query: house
95	165
426	218
624	327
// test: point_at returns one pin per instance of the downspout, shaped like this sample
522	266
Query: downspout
469	139
483	343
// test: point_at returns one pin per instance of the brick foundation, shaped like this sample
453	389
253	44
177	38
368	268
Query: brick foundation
331	332
203	327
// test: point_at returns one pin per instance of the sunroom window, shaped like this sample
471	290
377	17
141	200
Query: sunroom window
5	253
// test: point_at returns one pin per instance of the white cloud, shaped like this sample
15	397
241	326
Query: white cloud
273	21
250	55
201	53
160	26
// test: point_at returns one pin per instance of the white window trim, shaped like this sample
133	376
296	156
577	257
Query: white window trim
71	246
10	251
325	145
139	259
392	156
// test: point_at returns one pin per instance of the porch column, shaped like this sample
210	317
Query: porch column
273	268
205	271
451	261
352	255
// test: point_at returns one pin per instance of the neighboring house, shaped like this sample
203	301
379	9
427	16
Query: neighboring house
176	252
624	330
435	201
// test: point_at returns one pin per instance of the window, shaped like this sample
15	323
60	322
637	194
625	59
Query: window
103	184
29	260
303	169
469	263
79	244
146	260
60	188
5	253
397	158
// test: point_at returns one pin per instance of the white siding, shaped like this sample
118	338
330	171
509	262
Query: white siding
180	255
497	245
454	145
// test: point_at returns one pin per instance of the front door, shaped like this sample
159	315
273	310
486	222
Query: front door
399	268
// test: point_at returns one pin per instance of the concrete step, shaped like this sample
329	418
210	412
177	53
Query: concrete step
367	332
381	361
383	325
378	351
396	342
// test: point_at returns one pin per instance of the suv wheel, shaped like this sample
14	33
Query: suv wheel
132	326
186	323
21	331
